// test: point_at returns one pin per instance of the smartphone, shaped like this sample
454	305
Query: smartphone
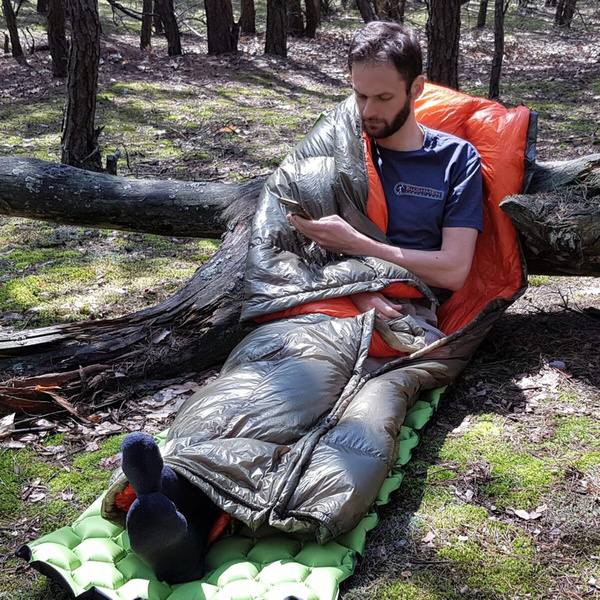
295	208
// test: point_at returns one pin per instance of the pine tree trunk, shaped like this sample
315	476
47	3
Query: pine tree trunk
276	38
498	49
366	10
11	25
443	35
57	39
146	32
166	11
313	18
295	25
248	17
482	14
222	31
158	24
42	6
564	13
80	136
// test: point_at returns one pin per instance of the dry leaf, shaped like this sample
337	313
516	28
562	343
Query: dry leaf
428	538
7	425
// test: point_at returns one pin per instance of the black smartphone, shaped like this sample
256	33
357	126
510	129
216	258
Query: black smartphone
295	208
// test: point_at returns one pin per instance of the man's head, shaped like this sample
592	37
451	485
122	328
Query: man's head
386	64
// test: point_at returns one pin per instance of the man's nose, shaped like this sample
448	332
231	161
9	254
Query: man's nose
369	109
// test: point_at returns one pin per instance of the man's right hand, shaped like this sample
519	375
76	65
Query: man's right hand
365	301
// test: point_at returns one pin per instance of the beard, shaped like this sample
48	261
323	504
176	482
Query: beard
380	129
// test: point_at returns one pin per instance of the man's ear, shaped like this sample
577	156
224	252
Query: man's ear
417	87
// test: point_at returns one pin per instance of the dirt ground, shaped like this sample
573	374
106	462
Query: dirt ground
502	497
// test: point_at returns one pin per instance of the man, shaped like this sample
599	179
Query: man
432	180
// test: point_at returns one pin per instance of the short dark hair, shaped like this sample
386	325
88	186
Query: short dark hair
382	41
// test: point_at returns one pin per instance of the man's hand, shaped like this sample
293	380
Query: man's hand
332	233
366	301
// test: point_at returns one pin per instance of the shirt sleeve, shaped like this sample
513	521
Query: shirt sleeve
464	206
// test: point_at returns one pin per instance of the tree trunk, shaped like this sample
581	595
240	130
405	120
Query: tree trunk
222	31
366	10
248	17
166	12
295	25
391	10
42	6
80	135
313	17
43	369
146	32
276	38
57	39
443	34
158	24
498	49
565	10
482	14
11	25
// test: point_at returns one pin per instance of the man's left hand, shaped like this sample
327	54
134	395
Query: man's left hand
332	233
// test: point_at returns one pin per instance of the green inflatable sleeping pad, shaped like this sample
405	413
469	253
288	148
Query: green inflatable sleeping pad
92	558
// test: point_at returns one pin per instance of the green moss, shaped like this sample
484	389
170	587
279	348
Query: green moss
10	490
518	478
539	280
577	432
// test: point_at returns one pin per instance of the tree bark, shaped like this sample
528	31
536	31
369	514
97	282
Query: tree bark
166	12
313	17
158	24
222	31
498	49
295	25
559	225
57	39
565	10
482	14
443	34
366	10
42	6
391	10
96	362
248	17
11	25
146	32
80	135
276	37
41	190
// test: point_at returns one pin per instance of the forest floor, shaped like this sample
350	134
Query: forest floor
502	497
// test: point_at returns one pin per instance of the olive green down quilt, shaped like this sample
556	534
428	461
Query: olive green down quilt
92	557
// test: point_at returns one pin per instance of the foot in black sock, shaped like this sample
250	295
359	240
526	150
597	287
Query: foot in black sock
158	533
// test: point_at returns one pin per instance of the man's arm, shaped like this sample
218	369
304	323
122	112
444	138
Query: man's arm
445	268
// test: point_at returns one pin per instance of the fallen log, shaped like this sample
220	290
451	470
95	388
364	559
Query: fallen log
98	361
37	189
559	224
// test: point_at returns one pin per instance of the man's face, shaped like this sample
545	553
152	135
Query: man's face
382	97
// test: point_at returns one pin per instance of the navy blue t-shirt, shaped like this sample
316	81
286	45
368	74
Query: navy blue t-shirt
431	188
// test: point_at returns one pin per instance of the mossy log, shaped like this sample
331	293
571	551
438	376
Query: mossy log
78	367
